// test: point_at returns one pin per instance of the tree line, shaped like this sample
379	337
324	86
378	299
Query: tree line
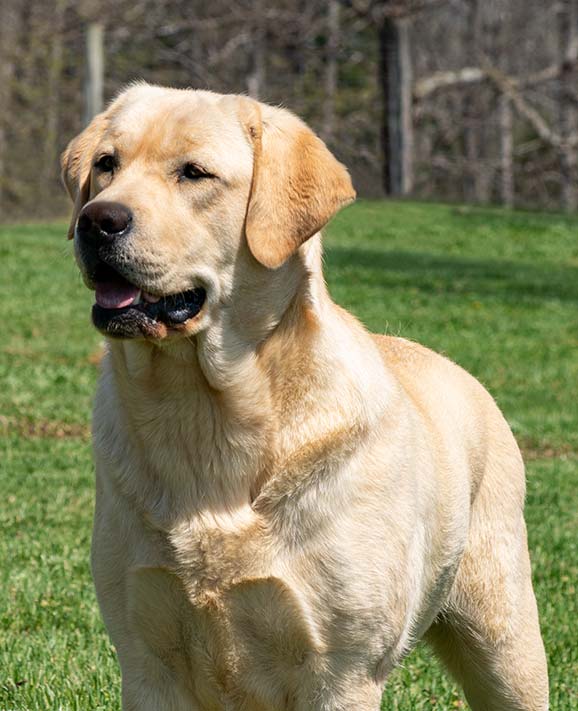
461	100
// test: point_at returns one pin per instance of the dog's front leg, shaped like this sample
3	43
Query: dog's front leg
362	698
151	687
141	609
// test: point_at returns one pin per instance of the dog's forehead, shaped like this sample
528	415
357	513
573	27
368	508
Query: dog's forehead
163	124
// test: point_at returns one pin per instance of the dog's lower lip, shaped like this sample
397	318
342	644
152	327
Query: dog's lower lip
122	309
146	319
175	307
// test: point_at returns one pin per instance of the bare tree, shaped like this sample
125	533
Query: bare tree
396	87
516	95
94	70
437	98
475	184
256	75
8	22
391	20
506	121
568	31
55	66
333	39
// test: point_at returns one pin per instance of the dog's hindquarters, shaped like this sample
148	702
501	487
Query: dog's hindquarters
488	634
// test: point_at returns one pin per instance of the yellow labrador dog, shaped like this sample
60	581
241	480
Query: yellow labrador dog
285	503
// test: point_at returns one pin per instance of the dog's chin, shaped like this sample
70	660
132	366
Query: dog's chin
141	322
124	310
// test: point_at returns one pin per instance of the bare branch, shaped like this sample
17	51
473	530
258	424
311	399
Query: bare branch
475	75
444	80
508	87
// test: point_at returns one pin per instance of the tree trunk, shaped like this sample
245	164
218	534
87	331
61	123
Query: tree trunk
506	151
568	32
7	48
256	77
94	87
333	38
53	99
396	93
472	112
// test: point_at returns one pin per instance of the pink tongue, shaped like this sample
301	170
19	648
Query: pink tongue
115	295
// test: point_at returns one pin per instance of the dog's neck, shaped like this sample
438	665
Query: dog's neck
221	414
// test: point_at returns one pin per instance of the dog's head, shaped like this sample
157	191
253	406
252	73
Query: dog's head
172	187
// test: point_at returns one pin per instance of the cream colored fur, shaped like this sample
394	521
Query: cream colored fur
285	503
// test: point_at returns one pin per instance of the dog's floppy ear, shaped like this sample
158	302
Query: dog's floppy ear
76	164
298	185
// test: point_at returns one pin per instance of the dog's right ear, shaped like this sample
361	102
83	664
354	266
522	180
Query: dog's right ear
298	185
76	164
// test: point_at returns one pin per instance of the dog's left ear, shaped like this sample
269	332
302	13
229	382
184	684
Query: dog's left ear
298	185
76	164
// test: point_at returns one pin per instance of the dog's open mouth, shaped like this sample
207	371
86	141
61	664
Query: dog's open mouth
123	310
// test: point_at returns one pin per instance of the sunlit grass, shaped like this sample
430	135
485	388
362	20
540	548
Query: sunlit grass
495	291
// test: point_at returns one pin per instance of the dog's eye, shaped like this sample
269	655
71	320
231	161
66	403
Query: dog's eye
105	164
194	172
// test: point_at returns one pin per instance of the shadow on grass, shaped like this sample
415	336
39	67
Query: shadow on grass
508	280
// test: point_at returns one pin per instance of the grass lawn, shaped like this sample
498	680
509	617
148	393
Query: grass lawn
495	291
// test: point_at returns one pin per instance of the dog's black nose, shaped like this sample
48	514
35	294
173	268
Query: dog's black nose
104	221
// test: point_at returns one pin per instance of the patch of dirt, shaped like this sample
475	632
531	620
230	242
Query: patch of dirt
533	449
94	358
43	429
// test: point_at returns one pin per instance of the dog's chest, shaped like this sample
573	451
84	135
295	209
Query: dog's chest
238	623
225	640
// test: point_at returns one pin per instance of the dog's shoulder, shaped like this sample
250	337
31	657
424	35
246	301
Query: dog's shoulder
419	368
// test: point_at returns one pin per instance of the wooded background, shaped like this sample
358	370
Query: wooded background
460	100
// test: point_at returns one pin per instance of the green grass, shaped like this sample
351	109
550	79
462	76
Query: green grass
495	291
